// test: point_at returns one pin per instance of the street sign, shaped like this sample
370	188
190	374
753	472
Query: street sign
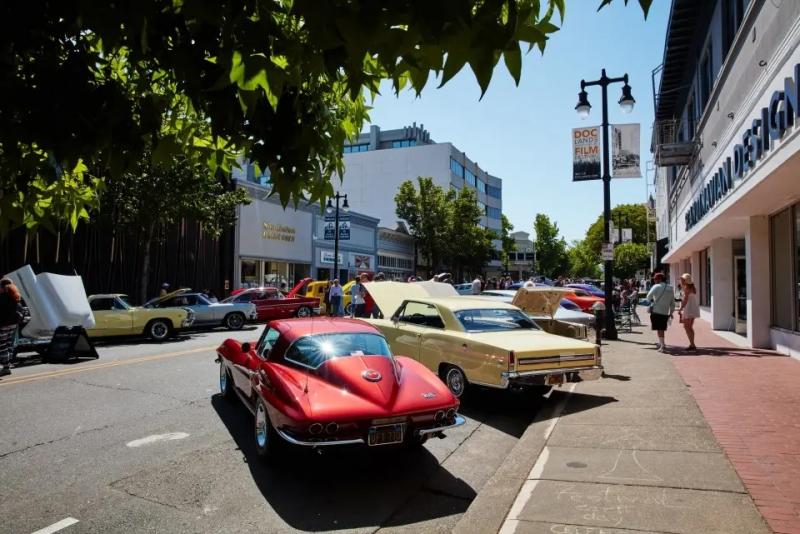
585	154
607	251
627	235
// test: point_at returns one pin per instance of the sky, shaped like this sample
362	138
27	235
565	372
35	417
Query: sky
522	134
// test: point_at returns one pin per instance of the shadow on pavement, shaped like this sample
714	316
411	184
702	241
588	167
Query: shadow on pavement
723	351
622	378
507	410
580	402
341	489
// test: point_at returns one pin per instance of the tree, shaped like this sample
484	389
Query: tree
469	245
634	216
584	263
426	212
509	245
629	258
155	195
88	86
551	251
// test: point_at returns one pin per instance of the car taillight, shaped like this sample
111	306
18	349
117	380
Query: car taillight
512	360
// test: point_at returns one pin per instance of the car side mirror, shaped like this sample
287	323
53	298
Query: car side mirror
245	347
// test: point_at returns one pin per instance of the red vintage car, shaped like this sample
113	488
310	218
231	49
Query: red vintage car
271	304
325	381
582	298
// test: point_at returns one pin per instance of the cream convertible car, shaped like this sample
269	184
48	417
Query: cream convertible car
476	340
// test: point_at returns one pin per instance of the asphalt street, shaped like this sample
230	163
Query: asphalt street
140	441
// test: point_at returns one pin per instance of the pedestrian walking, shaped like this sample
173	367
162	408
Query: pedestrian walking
336	295
690	308
357	297
662	306
10	317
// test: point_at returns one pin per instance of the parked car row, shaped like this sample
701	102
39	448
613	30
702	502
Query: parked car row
322	382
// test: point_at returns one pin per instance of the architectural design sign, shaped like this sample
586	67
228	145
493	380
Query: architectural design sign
769	127
585	153
278	232
625	151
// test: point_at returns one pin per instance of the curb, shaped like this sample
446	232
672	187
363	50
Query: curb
489	509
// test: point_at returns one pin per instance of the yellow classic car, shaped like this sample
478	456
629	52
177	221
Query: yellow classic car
316	289
114	316
477	341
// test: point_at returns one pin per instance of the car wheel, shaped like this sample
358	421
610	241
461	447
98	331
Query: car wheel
455	380
158	330
234	321
267	440
225	383
303	312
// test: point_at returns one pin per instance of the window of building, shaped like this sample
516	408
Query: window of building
690	118
356	148
707	281
783	259
733	16
391	262
481	186
706	79
404	143
469	177
456	168
703	281
494	192
493	213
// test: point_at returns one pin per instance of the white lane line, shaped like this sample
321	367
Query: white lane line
526	492
156	438
55	527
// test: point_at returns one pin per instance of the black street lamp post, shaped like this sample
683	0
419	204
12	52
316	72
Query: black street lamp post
329	208
583	108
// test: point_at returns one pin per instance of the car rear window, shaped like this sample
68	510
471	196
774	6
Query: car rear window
494	320
314	350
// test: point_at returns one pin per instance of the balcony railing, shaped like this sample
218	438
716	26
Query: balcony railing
669	148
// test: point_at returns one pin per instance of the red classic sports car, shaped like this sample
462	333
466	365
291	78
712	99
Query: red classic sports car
271	304
582	298
323	381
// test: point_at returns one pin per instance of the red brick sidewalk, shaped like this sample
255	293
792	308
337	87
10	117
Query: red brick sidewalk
751	400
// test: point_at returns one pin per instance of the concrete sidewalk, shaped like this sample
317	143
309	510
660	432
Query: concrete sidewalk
629	453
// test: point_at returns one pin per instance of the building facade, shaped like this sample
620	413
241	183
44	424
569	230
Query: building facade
396	253
379	161
522	262
727	147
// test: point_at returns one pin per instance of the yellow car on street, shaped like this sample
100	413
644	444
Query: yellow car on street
477	341
316	289
114	316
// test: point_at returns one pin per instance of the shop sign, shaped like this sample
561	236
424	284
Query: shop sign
782	113
585	154
278	232
344	227
326	256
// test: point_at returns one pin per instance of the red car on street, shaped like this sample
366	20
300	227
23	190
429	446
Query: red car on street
271	304
325	381
582	298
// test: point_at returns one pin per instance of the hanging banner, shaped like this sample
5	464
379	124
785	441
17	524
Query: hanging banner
344	227
625	151
585	153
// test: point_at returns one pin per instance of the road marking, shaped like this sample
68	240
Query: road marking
129	361
55	527
172	436
526	492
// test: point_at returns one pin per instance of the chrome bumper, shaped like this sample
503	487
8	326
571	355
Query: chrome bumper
458	422
573	374
293	441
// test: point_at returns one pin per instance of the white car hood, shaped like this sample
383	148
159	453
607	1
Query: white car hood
54	300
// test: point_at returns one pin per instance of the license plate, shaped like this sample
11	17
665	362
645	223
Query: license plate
385	435
554	380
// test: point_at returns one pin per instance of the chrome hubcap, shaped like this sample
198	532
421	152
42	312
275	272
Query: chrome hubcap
302	312
261	426
223	378
159	330
455	381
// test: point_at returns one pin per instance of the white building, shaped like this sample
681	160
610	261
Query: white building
379	161
727	142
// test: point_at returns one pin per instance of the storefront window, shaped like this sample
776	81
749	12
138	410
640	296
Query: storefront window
707	281
795	287
783	260
249	276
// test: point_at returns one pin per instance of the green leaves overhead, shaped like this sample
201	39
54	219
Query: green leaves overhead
644	4
282	82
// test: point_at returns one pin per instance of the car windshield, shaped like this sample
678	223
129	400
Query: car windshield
494	320
314	350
